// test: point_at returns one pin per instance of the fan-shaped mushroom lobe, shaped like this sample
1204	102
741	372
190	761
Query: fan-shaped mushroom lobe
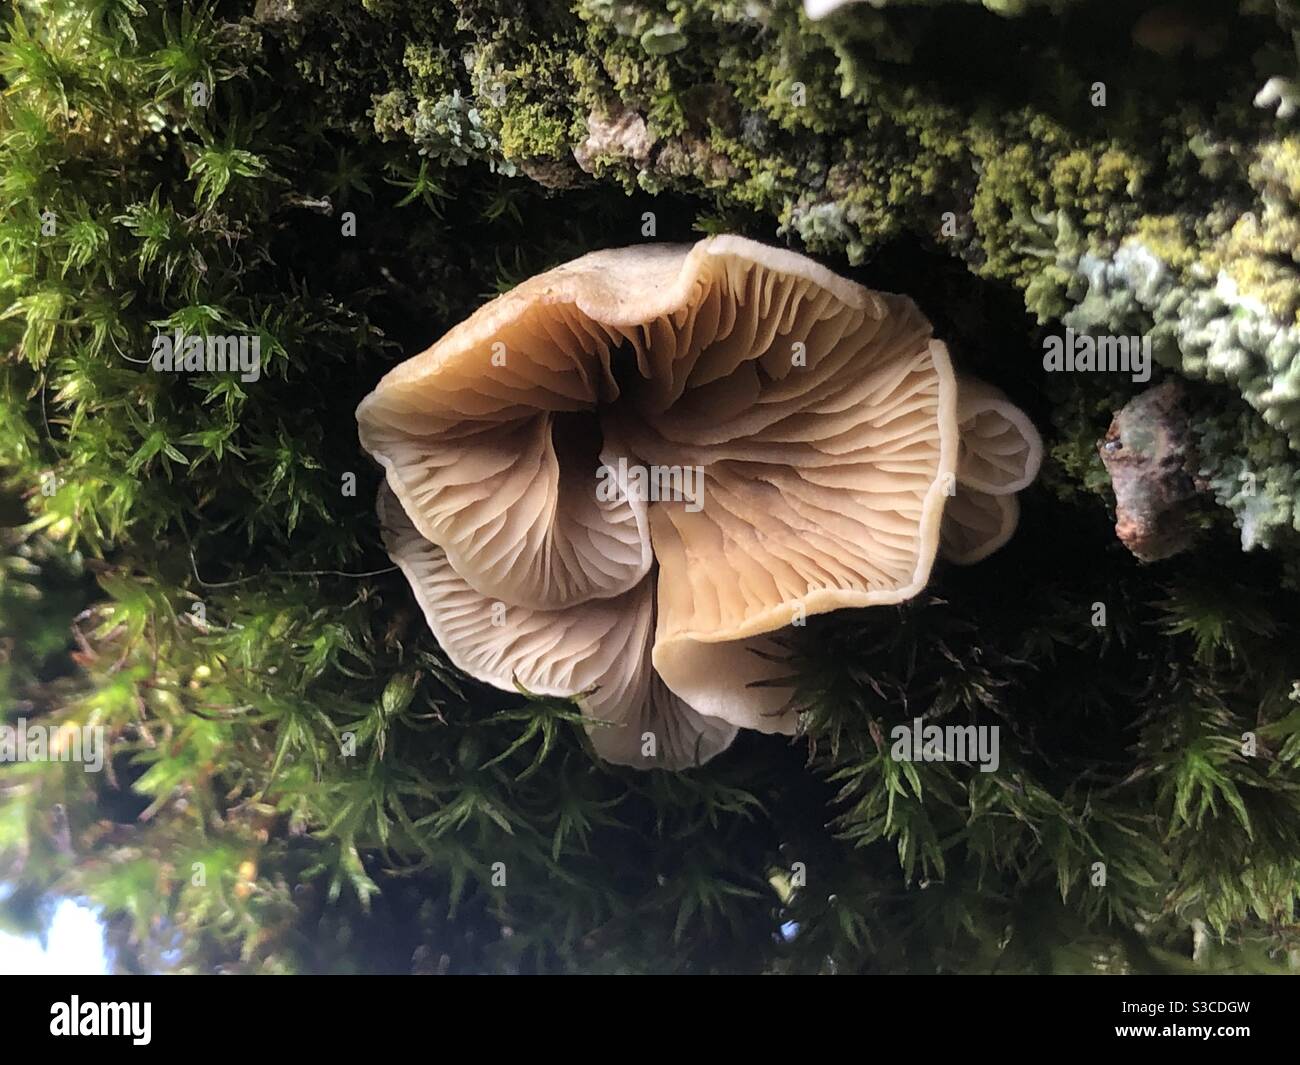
1000	454
975	524
826	436
597	652
1001	450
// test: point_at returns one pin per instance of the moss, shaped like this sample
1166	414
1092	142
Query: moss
1080	417
878	154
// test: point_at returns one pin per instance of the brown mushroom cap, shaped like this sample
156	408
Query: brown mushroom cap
466	434
824	418
1000	454
975	524
597	653
1001	450
855	437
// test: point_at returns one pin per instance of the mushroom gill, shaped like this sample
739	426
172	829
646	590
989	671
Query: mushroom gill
822	427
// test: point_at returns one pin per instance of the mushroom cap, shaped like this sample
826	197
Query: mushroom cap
975	524
1001	450
597	653
1000	454
465	431
822	416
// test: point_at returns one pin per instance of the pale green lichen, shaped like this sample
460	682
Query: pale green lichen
1251	472
1209	331
1261	252
1204	329
449	129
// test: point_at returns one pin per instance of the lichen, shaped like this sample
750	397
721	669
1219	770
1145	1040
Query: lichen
1251	472
1261	250
1206	329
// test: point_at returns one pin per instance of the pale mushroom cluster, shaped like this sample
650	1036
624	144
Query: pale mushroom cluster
838	451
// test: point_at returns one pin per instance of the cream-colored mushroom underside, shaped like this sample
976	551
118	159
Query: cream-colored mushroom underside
825	419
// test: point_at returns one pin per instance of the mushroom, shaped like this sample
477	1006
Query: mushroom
821	419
